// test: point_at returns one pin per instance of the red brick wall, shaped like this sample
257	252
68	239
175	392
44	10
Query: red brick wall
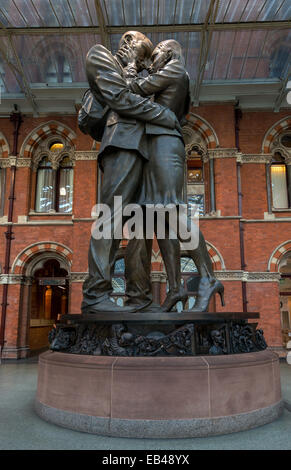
261	238
254	190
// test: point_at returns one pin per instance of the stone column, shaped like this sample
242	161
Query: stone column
288	165
157	278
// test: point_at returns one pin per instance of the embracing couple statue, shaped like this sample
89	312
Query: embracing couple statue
142	157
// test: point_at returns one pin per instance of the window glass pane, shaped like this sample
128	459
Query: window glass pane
45	163
286	140
188	265
279	186
45	190
196	202
118	284
118	280
66	190
119	266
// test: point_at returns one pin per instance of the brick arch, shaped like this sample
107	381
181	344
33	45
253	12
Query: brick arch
277	129
4	147
42	132
215	256
24	257
205	130
277	255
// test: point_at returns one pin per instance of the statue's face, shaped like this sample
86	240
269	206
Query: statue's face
142	55
134	49
159	58
217	336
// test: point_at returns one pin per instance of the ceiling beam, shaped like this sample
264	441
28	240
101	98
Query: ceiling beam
205	48
105	39
176	28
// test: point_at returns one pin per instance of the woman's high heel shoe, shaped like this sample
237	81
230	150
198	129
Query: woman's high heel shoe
174	297
205	291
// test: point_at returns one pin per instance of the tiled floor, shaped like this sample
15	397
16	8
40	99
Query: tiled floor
22	429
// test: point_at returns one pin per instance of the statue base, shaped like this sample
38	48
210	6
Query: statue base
158	334
159	397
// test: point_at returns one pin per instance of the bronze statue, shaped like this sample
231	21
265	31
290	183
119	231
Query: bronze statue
163	178
142	156
122	153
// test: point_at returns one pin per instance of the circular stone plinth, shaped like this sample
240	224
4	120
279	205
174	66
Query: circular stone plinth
159	397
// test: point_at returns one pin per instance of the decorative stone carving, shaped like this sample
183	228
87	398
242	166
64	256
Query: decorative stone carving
247	276
4	163
255	158
78	277
86	155
222	153
158	276
15	279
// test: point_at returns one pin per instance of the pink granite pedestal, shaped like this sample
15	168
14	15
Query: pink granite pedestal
159	397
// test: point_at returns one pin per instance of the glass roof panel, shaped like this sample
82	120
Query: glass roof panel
11	80
233	11
132	12
270	9
53	58
219	55
11	14
151	12
249	55
46	13
28	12
276	55
63	12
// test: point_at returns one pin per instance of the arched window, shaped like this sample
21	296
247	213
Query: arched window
279	181
58	70
54	185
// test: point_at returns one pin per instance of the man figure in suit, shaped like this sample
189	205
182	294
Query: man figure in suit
122	154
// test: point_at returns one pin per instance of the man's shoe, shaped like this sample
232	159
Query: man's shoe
107	306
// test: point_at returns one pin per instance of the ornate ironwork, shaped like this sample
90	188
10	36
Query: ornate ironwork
122	339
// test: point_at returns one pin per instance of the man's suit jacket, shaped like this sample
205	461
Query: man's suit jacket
125	126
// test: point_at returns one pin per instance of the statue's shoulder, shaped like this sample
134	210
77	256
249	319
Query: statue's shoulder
174	70
100	53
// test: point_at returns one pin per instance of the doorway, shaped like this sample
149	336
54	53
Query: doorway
285	297
49	300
